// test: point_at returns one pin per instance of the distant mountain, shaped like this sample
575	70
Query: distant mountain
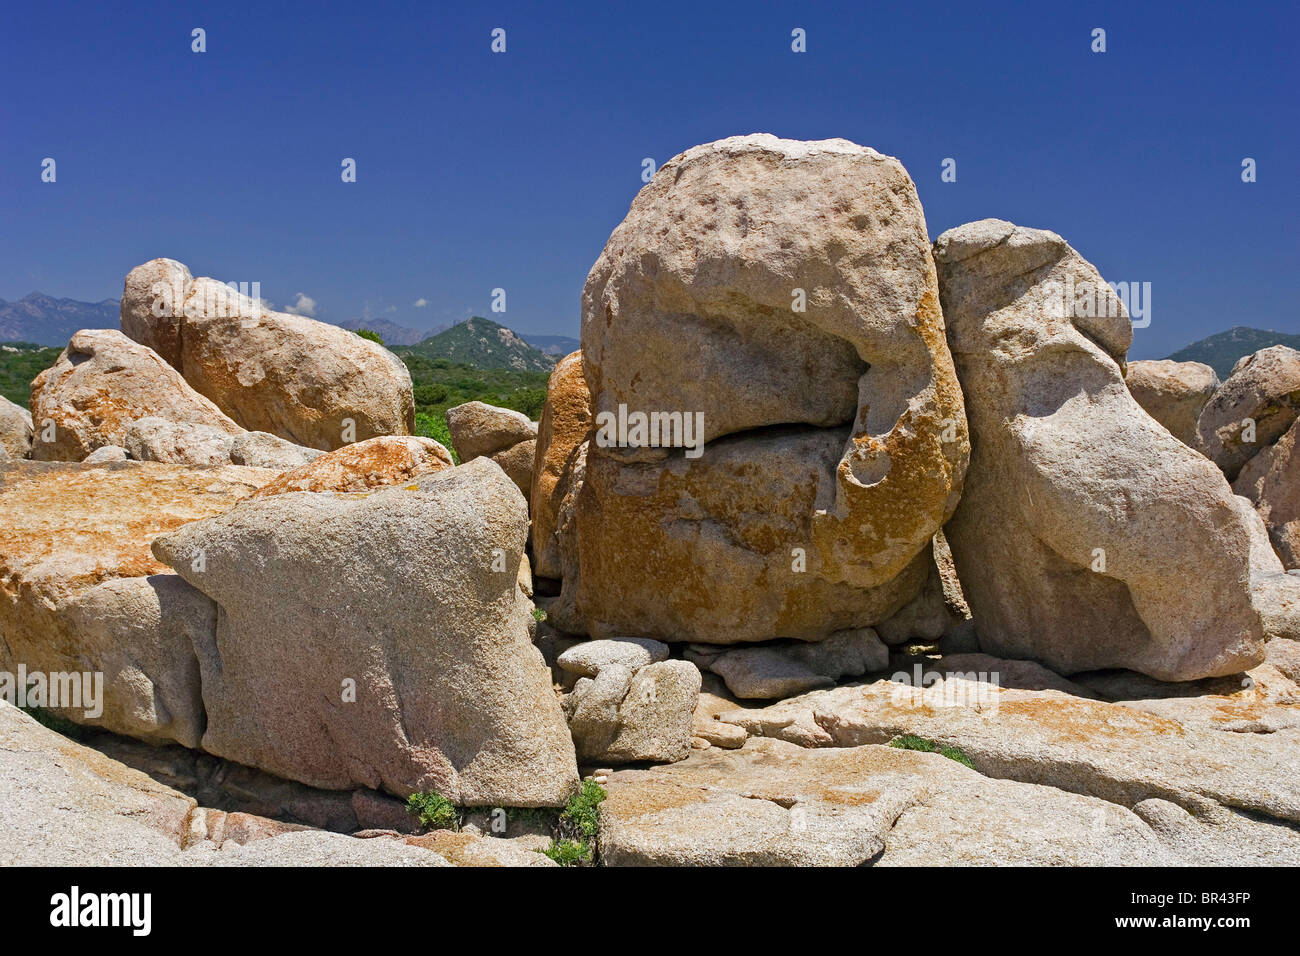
390	332
484	344
1221	351
557	345
45	320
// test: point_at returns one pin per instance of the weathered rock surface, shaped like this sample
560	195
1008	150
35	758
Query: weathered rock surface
939	611
306	381
1173	393
15	429
467	849
80	591
1271	480
1014	724
517	462
775	804
374	463
180	443
1082	518
626	714
264	450
100	385
392	593
693	307
587	658
1252	409
482	430
105	454
564	426
783	670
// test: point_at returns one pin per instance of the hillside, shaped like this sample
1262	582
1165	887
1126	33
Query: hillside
45	320
390	332
484	344
1221	351
556	345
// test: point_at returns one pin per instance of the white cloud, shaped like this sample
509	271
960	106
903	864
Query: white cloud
303	305
421	302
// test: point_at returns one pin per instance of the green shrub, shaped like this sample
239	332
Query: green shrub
435	427
370	336
574	844
913	742
434	811
568	852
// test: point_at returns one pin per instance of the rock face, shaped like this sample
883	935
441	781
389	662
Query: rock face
1173	393
100	385
264	450
15	429
1271	480
506	436
785	292
180	443
1252	409
79	590
380	640
774	671
367	464
1082	518
771	803
564	426
294	377
626	714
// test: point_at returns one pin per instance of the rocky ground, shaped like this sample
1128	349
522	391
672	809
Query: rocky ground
903	563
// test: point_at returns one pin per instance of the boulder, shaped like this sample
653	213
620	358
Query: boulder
1271	480
180	443
564	426
482	430
939	611
587	658
1173	393
517	462
373	463
395	617
264	450
312	383
81	593
628	714
105	454
780	298
1082	517
1252	409
15	429
783	670
101	383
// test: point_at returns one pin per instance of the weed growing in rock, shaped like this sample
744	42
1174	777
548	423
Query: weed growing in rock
913	742
577	827
433	810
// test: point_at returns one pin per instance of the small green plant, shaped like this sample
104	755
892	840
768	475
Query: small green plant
433	810
913	742
539	615
370	336
568	852
574	843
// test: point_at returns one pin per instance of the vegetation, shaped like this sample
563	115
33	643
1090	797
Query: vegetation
20	362
433	810
441	384
575	839
913	742
370	336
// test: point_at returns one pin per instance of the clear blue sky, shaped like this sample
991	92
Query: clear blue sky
479	170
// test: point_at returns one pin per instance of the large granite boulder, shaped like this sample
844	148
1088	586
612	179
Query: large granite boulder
564	426
779	299
1173	393
1271	480
15	429
101	383
306	381
1252	409
380	639
1083	519
367	464
81	593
